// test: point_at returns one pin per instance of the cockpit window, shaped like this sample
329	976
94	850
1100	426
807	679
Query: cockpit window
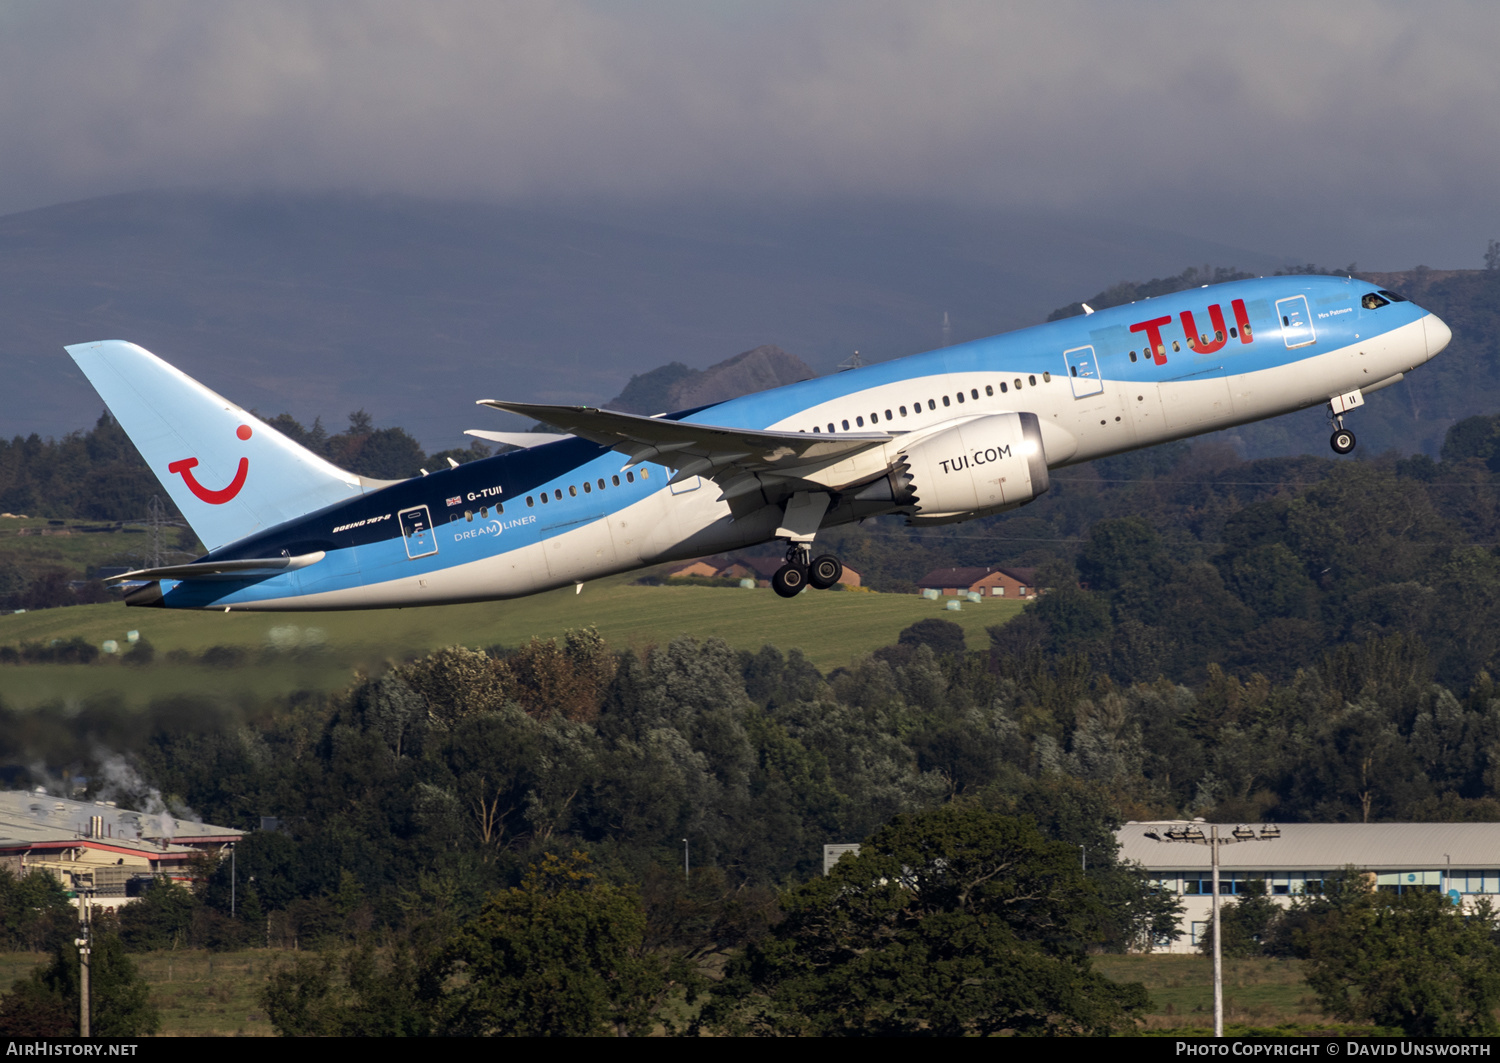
1371	301
1393	297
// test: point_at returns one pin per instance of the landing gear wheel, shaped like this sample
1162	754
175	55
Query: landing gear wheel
789	580
1342	441
825	572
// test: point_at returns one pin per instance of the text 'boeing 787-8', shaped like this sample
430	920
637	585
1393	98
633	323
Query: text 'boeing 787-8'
953	434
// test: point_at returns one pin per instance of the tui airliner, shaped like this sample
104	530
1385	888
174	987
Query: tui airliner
957	433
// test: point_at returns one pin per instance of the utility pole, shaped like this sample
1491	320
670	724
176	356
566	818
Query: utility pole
1193	834
84	941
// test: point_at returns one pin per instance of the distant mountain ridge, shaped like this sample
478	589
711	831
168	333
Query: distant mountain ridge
677	387
319	304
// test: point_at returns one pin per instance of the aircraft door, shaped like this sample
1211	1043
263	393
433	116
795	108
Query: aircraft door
1083	372
1296	322
416	529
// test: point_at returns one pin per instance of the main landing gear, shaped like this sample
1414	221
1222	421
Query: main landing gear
1342	441
798	572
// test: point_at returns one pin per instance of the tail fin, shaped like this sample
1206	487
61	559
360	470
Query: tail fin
230	473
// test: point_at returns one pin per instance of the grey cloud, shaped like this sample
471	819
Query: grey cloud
1341	130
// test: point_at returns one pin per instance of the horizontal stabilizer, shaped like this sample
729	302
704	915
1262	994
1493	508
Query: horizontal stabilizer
244	568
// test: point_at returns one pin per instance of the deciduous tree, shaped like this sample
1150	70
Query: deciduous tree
953	922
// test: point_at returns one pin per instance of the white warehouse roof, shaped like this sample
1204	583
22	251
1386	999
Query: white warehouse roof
1318	846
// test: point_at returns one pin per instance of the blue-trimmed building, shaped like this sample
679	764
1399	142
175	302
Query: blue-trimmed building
1459	859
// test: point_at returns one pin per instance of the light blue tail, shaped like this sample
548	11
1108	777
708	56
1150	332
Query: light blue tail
229	472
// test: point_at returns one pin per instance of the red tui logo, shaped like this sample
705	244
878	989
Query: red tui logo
207	494
1156	347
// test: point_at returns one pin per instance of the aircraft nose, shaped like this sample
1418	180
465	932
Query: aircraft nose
1439	335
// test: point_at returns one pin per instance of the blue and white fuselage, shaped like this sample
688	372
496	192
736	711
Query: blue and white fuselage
947	435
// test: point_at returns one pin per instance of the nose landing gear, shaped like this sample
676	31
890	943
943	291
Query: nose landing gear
1342	440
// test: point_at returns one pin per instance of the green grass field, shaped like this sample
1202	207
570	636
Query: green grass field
86	543
831	628
200	993
196	993
1258	993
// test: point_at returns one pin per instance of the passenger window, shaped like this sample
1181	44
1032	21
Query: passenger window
630	477
1018	382
830	427
572	491
989	391
815	431
932	405
469	515
903	411
1373	302
615	479
545	499
1031	380
1176	349
587	488
601	483
973	393
946	402
859	422
1046	378
1234	333
888	414
557	495
1132	356
960	398
845	424
500	509
1004	387
1218	335
529	503
645	474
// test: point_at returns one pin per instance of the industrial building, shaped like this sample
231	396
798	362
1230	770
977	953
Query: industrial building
1461	860
99	848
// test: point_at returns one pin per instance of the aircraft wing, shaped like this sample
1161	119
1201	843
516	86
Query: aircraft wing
738	459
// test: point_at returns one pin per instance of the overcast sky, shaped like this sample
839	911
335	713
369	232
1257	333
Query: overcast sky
1326	131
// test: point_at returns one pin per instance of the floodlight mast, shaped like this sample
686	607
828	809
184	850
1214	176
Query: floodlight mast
1194	834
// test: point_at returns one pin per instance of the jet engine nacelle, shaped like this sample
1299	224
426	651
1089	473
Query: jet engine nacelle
980	467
